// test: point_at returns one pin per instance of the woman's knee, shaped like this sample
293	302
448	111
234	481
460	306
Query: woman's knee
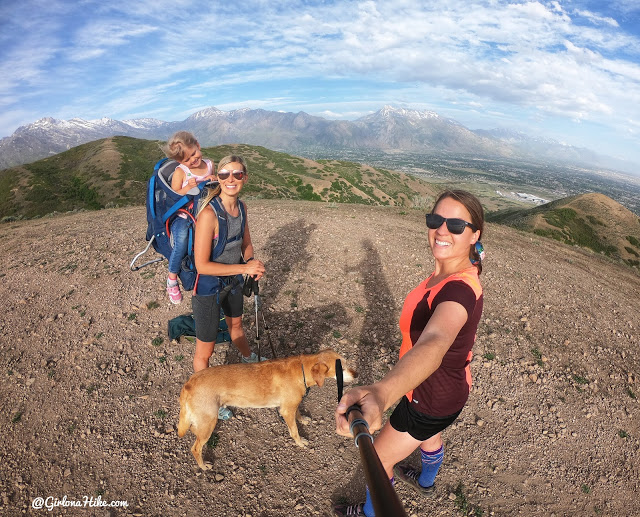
433	443
204	349
235	325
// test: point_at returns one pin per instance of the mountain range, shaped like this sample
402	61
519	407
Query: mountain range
389	129
114	172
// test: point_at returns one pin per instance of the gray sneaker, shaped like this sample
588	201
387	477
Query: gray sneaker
224	413
351	510
410	477
253	358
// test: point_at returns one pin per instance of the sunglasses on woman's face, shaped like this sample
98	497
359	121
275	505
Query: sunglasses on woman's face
224	174
455	226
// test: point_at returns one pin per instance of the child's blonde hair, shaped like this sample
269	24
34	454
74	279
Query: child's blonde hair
178	144
209	193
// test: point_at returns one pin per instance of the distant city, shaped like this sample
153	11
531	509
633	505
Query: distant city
529	182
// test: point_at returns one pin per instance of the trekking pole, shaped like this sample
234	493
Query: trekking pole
258	306
256	302
386	502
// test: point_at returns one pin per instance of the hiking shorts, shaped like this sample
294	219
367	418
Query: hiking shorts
206	312
405	419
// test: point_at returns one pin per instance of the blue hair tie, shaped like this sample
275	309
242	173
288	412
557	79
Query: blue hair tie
480	251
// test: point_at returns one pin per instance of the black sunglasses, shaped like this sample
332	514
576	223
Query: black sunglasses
455	226
224	174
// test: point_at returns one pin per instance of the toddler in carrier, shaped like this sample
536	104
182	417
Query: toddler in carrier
192	169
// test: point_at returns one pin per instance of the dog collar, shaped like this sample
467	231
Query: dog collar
304	379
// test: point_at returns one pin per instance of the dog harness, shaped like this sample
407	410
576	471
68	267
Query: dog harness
304	379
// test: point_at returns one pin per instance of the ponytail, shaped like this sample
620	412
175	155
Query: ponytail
208	193
476	255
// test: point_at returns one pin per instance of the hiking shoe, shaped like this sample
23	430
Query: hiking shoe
253	358
410	477
175	296
224	413
352	510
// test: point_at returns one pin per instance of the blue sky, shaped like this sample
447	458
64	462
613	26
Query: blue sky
569	70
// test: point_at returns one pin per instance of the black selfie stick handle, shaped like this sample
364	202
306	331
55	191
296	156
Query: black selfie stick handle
339	378
386	502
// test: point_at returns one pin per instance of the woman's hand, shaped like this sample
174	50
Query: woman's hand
254	268
371	402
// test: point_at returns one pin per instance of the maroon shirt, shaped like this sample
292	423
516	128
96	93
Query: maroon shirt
446	390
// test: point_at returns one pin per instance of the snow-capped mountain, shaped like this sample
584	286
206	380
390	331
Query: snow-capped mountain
389	112
49	136
390	128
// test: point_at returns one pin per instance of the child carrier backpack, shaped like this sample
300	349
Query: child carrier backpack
163	204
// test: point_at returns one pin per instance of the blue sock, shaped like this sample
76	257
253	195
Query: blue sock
368	505
431	462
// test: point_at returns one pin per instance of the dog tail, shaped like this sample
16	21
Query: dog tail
184	423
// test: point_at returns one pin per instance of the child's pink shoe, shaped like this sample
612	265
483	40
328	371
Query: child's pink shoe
175	296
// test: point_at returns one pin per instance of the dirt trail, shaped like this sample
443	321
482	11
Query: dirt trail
89	380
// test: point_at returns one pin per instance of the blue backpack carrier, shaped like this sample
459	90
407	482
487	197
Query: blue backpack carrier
163	206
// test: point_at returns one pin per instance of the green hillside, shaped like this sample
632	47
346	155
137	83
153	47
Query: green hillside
95	175
114	172
592	221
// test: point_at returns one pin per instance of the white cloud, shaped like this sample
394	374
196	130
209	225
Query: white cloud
594	18
494	57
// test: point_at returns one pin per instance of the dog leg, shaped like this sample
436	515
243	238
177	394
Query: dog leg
289	415
305	420
203	431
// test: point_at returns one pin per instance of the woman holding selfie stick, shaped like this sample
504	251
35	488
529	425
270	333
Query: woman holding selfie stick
432	380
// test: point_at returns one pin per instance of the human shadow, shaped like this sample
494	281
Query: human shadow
287	254
380	322
378	330
290	329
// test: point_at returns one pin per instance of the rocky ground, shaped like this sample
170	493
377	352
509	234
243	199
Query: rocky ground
89	380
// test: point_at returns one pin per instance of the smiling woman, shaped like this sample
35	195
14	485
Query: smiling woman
223	253
432	379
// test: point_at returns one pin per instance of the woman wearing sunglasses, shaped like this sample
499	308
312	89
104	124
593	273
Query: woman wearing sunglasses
220	278
438	323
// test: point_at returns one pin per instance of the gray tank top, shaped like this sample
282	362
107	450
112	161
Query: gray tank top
232	253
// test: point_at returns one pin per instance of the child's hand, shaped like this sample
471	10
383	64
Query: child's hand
207	179
192	182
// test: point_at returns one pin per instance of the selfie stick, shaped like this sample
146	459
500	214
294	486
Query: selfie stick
386	502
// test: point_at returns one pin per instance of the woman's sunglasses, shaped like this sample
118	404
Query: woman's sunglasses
455	226
224	174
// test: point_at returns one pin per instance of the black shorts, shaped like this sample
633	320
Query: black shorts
405	419
206	312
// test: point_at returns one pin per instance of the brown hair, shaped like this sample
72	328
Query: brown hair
474	207
210	192
177	145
